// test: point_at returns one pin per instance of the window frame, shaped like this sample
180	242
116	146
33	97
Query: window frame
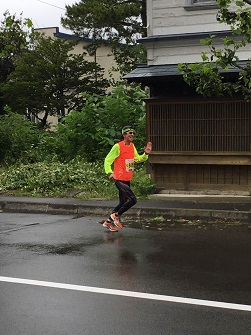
199	1
201	5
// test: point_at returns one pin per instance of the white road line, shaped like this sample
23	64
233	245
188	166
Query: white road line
131	294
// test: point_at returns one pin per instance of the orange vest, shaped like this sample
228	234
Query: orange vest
124	163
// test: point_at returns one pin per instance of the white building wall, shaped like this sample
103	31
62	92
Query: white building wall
172	17
177	17
183	51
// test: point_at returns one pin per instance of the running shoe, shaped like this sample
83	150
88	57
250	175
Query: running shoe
114	217
107	224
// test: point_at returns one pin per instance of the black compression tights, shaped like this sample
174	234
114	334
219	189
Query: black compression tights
127	198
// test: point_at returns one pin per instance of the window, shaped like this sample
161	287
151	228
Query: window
200	126
201	4
197	1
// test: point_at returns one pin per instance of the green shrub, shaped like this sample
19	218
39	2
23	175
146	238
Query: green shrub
91	132
142	184
18	138
76	178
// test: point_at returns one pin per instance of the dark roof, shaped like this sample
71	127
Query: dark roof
66	36
71	37
144	72
197	35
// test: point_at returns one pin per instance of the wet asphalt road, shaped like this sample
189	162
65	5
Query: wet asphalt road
198	263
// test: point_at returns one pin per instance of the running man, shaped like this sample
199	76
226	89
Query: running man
123	154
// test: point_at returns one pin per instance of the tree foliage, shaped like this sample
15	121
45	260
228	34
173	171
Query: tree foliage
91	132
117	22
102	19
50	78
14	38
88	133
127	57
207	75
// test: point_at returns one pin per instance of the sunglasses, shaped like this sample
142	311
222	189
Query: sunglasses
130	132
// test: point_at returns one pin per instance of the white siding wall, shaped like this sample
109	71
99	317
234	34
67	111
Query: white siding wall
169	17
183	51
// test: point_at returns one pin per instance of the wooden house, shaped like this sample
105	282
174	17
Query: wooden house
199	144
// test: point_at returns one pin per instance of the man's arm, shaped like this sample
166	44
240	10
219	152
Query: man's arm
148	148
142	158
111	156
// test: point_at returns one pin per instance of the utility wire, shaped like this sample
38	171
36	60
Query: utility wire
49	4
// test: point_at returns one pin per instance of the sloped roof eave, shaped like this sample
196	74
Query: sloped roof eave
144	72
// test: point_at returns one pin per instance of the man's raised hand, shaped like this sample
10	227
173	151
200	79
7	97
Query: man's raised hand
148	148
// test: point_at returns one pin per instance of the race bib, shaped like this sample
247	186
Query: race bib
129	165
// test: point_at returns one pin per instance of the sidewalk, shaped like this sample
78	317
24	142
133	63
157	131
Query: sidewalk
172	206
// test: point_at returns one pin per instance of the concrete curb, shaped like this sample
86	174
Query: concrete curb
77	209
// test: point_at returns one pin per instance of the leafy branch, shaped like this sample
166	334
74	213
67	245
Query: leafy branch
209	76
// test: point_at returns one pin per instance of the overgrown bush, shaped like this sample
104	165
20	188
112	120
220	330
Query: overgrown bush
91	132
76	178
69	161
18	138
